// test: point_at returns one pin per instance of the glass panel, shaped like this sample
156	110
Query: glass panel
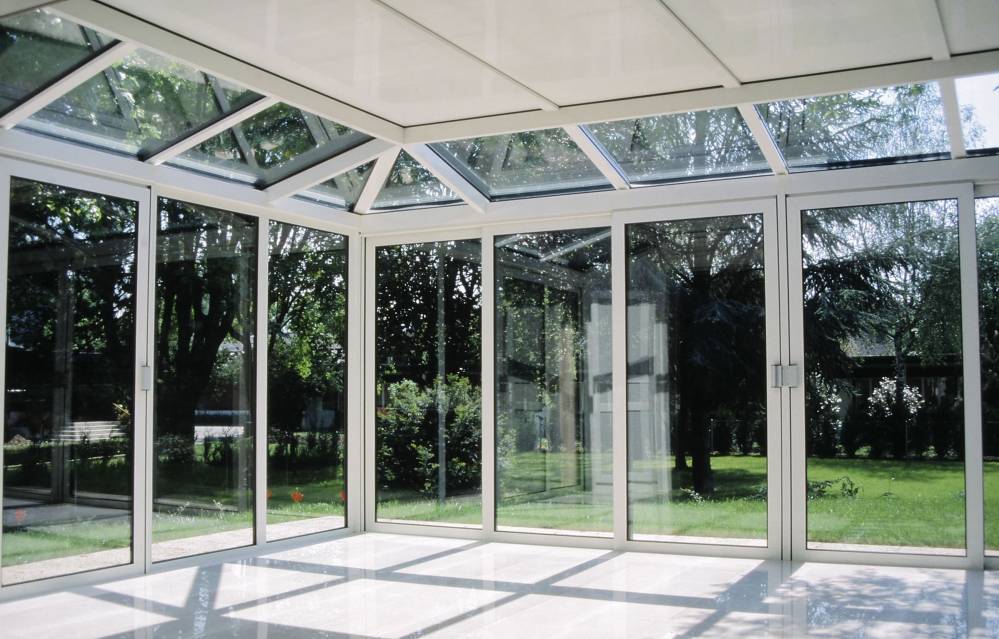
270	146
409	184
873	126
205	382
343	190
428	401
37	47
681	146
523	164
306	377
883	386
697	466
140	105
553	382
979	100
988	317
67	445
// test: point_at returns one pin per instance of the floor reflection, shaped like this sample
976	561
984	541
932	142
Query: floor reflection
402	586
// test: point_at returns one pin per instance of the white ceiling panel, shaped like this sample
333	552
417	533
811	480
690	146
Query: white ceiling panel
352	50
971	25
574	51
765	39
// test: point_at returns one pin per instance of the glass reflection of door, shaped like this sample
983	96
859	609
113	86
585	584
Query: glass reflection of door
702	335
879	428
73	419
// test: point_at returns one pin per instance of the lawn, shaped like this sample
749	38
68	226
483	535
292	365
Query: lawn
905	503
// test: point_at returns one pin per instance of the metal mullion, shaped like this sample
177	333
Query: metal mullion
488	385
971	348
260	447
619	384
356	323
237	130
149	397
4	253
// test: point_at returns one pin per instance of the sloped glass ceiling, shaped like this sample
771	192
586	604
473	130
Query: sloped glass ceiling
523	164
978	97
409	184
140	105
682	146
872	126
341	191
270	146
36	48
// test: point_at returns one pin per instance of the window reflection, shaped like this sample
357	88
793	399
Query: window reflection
883	378
205	371
70	361
697	427
428	399
553	382
306	381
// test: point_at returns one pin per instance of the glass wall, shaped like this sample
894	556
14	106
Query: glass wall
883	378
428	400
205	380
697	422
69	386
988	317
306	381
553	382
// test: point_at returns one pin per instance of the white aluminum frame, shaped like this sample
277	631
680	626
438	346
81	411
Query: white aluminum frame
963	194
140	196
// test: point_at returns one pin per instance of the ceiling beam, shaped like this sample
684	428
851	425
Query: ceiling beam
543	102
936	35
710	98
376	180
341	163
126	27
210	131
448	176
67	82
725	75
595	154
763	138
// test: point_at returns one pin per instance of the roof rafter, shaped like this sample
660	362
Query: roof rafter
67	82
447	174
597	157
940	50
376	180
211	130
340	163
126	27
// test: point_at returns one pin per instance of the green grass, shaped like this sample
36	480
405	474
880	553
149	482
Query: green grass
906	503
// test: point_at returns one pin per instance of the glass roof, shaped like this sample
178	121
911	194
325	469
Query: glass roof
270	146
872	126
140	105
523	164
979	100
681	146
341	191
409	184
37	47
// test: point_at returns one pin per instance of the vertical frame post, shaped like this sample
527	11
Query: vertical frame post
356	322
488	377
4	238
260	385
619	377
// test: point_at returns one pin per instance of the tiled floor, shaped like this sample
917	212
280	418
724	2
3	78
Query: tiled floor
401	586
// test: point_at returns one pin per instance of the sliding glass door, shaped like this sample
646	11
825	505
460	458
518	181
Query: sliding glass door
884	397
69	404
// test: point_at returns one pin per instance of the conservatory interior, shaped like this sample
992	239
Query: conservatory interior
389	318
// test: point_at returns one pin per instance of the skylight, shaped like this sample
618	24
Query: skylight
523	164
140	105
341	191
409	184
681	146
270	146
37	47
871	126
979	100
